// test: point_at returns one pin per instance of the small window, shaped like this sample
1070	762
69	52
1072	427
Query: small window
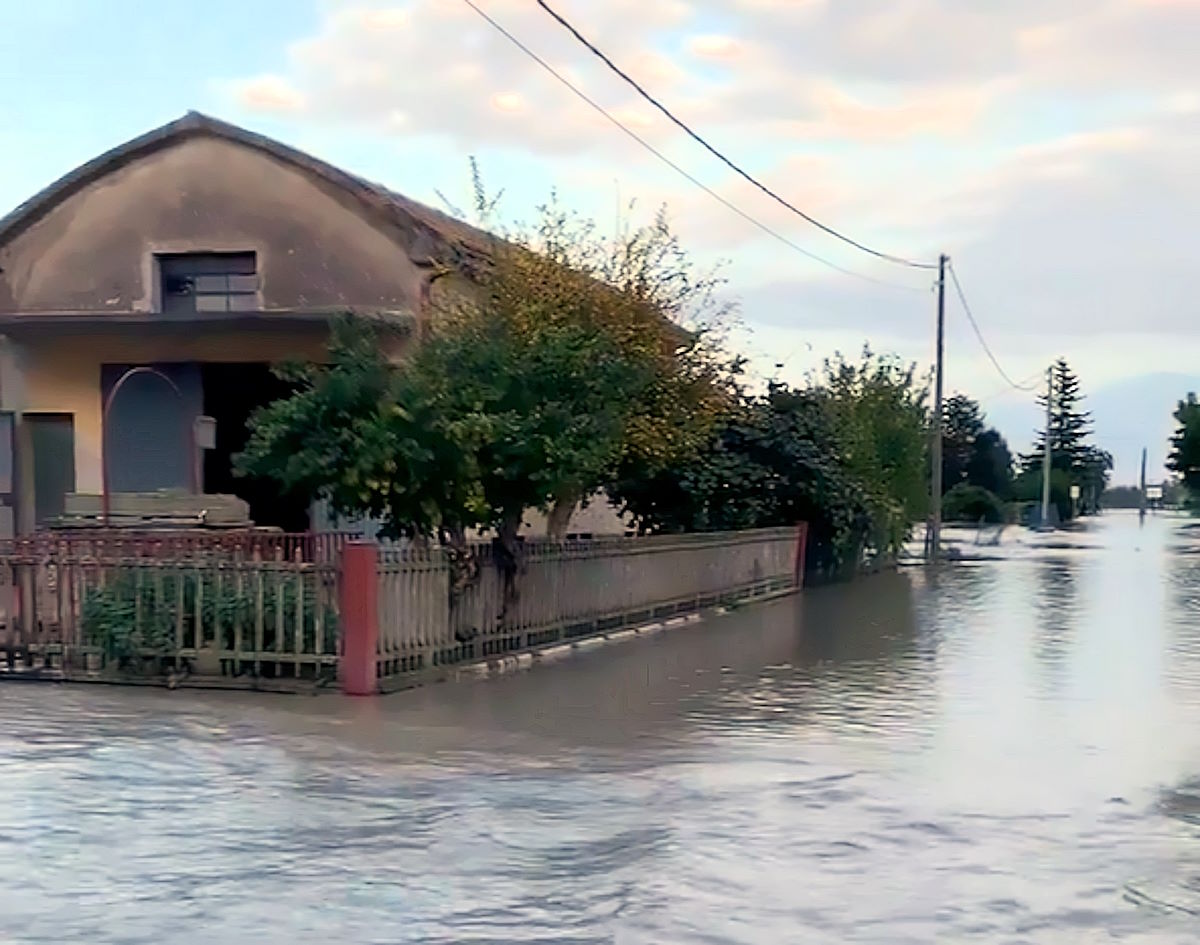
209	282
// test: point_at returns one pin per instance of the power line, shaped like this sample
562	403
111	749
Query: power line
1008	389
679	123
979	334
729	205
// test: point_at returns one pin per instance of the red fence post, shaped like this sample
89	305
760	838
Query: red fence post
801	549
359	594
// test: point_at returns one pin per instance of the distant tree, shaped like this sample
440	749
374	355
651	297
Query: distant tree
967	503
1091	474
991	464
962	425
1070	425
1185	445
1027	488
1071	454
972	452
1121	497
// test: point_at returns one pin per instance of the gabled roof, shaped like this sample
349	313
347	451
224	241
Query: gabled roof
428	231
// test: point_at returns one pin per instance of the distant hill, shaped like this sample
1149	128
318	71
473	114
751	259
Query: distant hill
1129	414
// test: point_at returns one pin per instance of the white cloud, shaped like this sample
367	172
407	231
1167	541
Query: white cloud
1050	146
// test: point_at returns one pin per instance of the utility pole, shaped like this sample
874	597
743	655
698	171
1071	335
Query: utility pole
1142	489
935	527
1046	457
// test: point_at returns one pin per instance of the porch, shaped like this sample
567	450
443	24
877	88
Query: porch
114	409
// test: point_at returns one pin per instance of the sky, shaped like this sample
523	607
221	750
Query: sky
1049	148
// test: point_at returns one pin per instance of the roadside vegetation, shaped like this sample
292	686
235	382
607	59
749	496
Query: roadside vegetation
1184	459
982	481
575	365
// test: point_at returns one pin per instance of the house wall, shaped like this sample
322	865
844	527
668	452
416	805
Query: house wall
63	375
94	252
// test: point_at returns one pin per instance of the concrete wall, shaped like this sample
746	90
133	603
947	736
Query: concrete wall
95	251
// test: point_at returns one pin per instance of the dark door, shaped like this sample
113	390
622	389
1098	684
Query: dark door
148	429
8	489
231	394
52	439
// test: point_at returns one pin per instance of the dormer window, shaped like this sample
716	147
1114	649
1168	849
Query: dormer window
208	282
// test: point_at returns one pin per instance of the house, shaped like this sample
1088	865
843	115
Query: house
157	283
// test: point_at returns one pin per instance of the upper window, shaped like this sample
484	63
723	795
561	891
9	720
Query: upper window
208	282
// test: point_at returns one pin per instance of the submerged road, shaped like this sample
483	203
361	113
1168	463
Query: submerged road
1007	751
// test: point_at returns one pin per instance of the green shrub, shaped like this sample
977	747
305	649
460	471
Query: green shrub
134	614
965	503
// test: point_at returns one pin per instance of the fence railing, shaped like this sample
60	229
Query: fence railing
254	608
210	615
176	544
563	591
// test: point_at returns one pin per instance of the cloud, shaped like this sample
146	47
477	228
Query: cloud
1049	146
270	93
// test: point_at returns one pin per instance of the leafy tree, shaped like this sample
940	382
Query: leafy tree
972	452
372	439
642	292
1091	474
846	454
968	503
1185	444
1027	488
991	464
773	461
1122	497
531	387
962	425
878	409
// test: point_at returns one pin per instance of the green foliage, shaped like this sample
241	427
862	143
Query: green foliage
142	614
972	452
1070	429
968	503
530	389
877	408
1185	444
773	462
1028	488
845	455
1122	497
566	368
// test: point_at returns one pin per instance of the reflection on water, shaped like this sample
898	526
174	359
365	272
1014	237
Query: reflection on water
1005	751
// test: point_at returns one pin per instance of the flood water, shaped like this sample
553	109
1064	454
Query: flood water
1006	751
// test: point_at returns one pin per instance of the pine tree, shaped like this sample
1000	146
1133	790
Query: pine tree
1070	426
1070	429
1185	444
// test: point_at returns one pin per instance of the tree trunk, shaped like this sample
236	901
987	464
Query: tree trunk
560	517
464	571
508	558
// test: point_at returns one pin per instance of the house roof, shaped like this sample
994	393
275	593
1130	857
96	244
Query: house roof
430	232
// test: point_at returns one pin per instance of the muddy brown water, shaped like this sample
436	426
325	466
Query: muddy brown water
1007	751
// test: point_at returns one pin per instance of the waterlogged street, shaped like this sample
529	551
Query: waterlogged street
1008	751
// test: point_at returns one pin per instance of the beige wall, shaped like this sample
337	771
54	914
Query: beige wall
62	375
316	250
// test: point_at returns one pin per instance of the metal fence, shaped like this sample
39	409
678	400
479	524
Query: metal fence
107	544
563	591
89	606
264	610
